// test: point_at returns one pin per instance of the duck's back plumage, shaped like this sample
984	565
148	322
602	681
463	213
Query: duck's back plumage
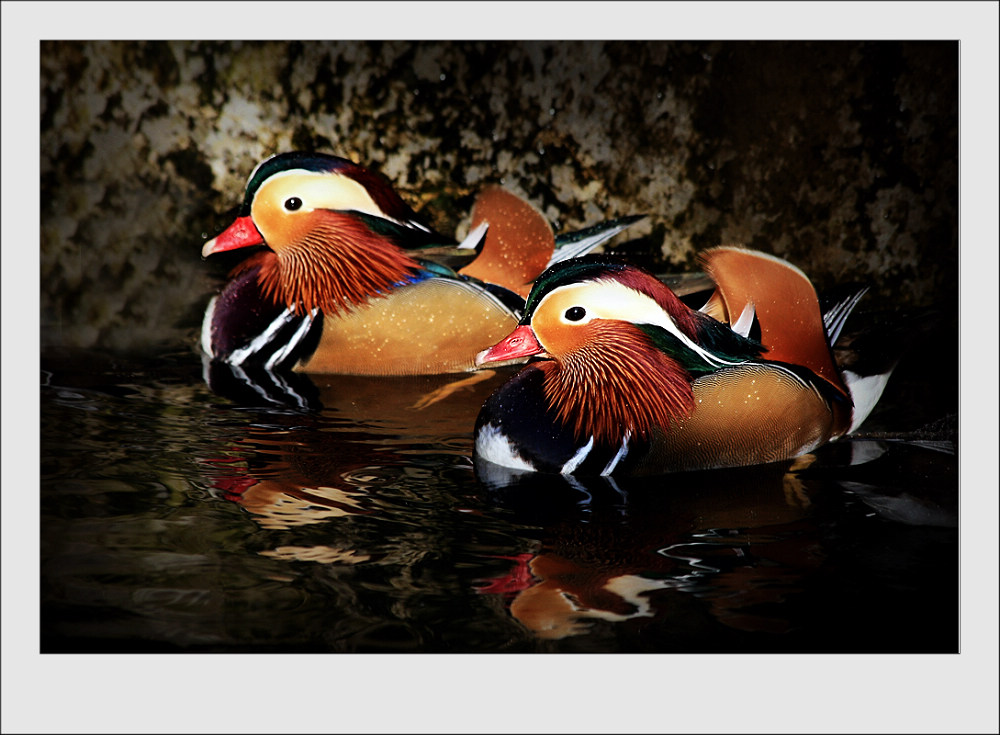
432	326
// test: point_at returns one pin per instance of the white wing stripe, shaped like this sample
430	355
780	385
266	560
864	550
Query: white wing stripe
236	357
618	457
283	352
576	459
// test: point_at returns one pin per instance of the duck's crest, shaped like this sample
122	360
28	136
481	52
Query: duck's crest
600	266
378	187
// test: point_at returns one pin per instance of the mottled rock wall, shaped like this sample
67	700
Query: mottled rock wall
840	156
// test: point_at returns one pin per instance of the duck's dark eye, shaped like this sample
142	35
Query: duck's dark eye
293	203
576	313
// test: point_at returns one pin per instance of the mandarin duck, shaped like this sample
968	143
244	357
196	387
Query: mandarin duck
348	281
628	379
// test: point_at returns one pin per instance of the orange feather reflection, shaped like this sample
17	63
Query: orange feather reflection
715	535
323	466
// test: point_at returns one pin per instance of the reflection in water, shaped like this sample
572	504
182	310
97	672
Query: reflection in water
291	477
607	551
618	543
428	402
327	464
173	519
744	541
563	595
319	554
915	483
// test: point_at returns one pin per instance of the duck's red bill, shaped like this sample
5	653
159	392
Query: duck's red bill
240	234
519	343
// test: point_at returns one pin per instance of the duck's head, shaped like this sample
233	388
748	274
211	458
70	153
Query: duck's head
331	223
291	196
619	348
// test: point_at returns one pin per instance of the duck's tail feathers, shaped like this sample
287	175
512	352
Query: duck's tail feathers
867	352
835	314
574	244
866	390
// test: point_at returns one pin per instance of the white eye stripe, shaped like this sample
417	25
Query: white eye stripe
610	299
324	190
607	299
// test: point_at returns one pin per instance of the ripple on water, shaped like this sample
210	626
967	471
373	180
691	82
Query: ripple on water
173	519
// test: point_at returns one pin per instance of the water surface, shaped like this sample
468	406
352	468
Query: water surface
177	519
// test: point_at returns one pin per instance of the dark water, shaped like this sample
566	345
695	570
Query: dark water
173	519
